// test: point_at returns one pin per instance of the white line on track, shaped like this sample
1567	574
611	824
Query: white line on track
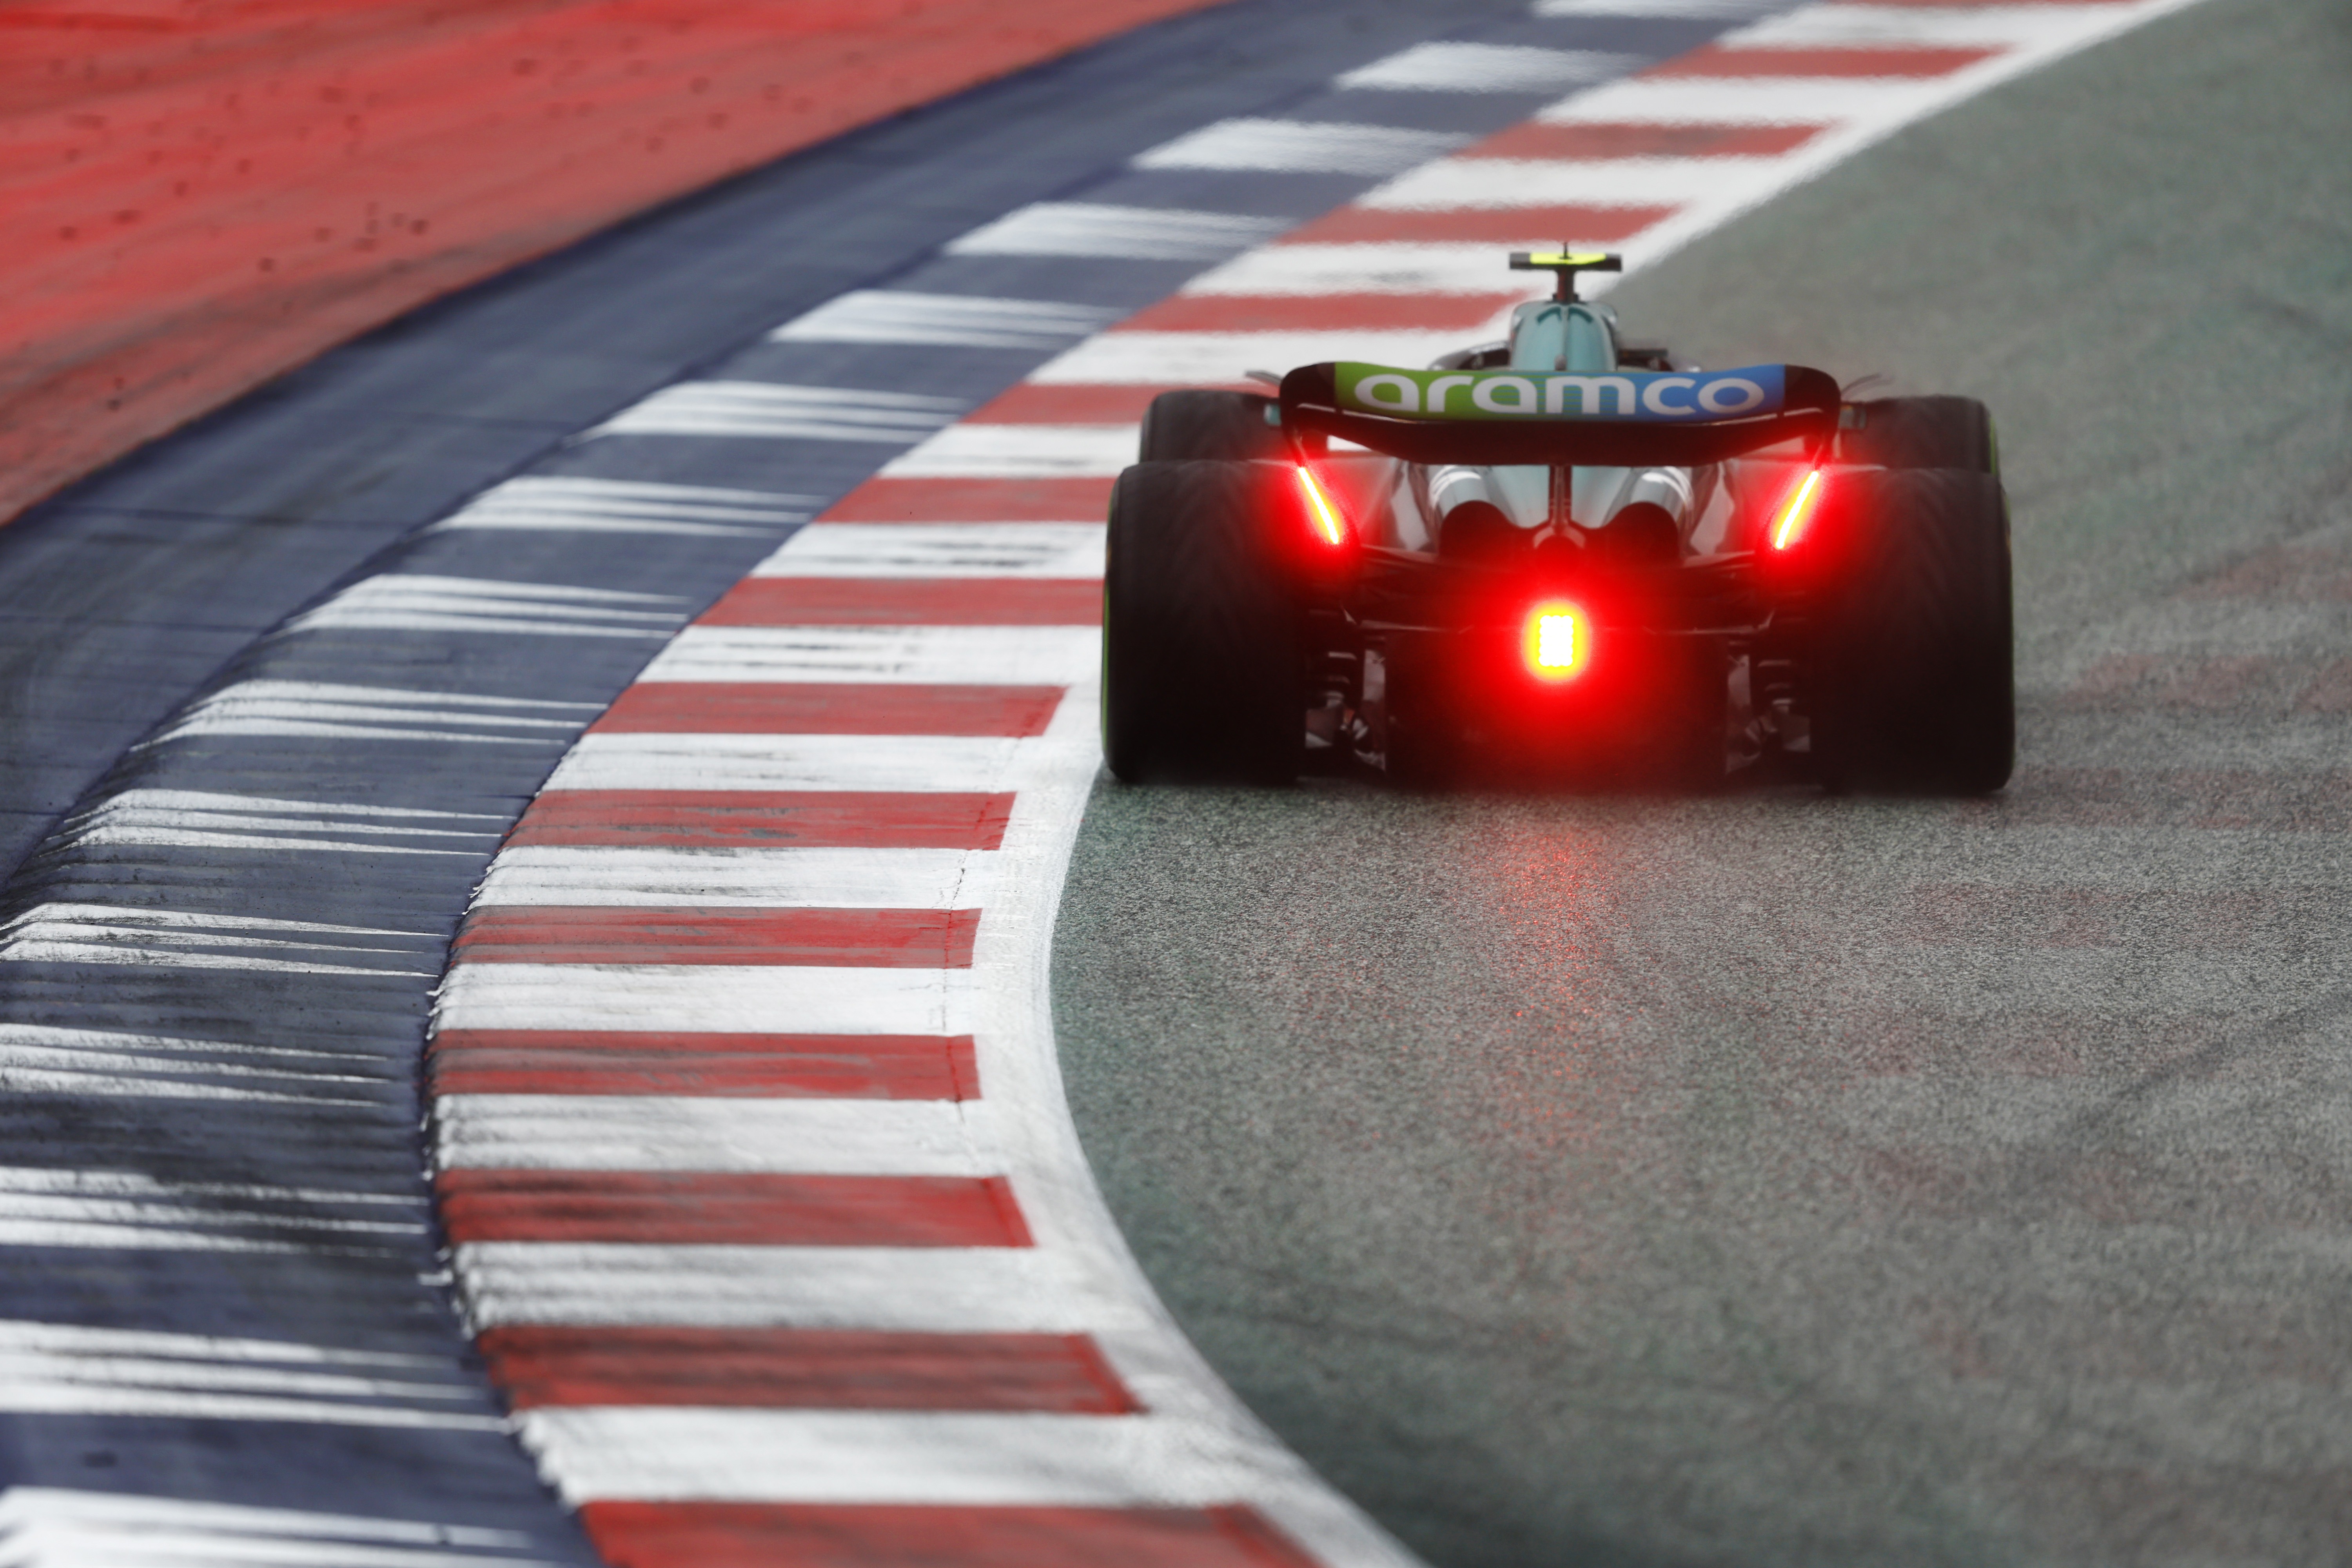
909	1289
891	1457
696	1133
543	504
1196	357
976	656
45	1527
774	411
1018	451
1484	68
932	321
1143	233
1297	146
1454	184
1072	549
403	602
713	998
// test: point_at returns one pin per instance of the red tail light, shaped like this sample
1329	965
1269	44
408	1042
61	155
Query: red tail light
1331	526
1557	641
1797	512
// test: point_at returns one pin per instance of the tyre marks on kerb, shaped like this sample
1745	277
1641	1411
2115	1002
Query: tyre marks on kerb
625	1241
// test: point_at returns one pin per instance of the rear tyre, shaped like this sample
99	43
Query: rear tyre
1201	669
1921	433
1210	426
1912	672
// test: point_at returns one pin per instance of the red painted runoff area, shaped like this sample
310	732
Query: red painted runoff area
196	194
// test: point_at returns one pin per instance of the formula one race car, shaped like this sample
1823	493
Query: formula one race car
1563	552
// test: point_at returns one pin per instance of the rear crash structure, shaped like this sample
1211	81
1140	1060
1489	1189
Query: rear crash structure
1564	553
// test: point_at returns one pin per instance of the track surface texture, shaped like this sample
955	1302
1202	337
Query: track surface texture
1776	1179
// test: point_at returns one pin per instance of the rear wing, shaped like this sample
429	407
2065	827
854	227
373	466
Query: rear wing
1625	418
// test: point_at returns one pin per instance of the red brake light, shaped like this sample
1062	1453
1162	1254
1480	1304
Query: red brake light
1557	641
1796	512
1331	526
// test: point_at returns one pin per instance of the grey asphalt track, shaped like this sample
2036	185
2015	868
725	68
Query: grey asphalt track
1776	1179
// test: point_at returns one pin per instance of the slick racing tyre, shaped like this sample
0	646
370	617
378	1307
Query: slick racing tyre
1921	433
1201	669
1211	427
1912	672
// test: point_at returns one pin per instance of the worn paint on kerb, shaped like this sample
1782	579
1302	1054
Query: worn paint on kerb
1650	396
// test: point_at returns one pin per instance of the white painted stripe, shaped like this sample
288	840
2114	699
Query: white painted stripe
63	1208
122	934
1300	146
888	1457
1485	68
976	656
47	1060
45	1069
374	712
402	602
915	1290
205	803
1018	452
536	503
26	1337
959	321
750	999
802	761
810	1137
47	1527
24	1391
1194	357
1930	27
1068	550
779	412
137	1184
1383	267
63	1369
1732	101
1453	184
1086	228
767	879
192	819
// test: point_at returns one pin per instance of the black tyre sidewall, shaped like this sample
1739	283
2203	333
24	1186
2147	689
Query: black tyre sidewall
1912	665
1201	667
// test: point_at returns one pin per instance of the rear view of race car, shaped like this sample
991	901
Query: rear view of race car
1567	551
